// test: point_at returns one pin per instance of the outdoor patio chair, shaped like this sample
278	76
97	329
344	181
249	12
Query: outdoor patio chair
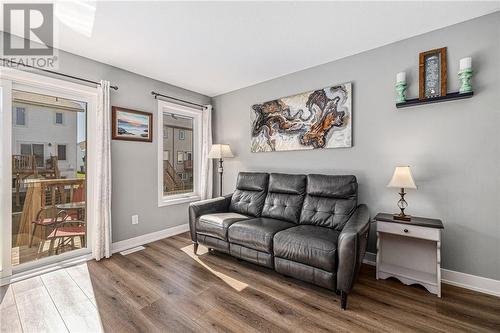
66	231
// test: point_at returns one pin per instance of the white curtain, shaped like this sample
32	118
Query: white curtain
101	234
206	163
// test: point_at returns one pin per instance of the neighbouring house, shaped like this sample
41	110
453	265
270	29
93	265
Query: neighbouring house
46	126
81	150
178	152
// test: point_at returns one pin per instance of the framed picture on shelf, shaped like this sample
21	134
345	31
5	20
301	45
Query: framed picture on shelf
432	73
131	125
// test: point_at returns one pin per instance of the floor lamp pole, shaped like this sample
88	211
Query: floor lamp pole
221	171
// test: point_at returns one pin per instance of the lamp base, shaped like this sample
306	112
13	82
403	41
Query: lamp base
402	217
221	171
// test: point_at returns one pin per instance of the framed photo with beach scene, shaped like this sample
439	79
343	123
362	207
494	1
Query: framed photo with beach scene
131	125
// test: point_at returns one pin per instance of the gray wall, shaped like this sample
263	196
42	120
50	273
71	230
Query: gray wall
453	147
134	164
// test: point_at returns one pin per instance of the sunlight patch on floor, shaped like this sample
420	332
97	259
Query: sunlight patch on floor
232	282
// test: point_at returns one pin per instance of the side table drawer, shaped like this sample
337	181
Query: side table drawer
408	230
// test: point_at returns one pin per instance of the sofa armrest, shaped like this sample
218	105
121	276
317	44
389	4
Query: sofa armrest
351	248
209	206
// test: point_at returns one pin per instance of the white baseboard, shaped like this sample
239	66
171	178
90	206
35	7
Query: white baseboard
148	238
463	280
472	282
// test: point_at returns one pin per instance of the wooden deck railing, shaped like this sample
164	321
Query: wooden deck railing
44	193
24	163
171	179
25	167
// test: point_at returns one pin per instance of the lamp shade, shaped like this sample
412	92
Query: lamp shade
402	178
220	151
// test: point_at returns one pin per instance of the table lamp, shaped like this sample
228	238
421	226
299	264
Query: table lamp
220	151
402	178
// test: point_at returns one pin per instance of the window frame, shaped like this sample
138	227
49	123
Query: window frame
32	150
65	151
25	116
196	115
21	144
43	156
180	160
55	118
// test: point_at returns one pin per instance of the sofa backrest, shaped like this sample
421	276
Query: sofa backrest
330	200
285	195
250	193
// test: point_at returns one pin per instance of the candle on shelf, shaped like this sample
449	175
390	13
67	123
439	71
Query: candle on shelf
401	87
465	75
465	63
401	77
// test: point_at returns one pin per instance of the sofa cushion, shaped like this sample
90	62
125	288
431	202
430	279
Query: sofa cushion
250	193
308	244
256	233
216	225
285	197
330	200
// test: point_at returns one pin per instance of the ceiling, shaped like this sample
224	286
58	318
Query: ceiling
217	47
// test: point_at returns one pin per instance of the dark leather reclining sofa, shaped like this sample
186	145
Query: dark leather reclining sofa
307	227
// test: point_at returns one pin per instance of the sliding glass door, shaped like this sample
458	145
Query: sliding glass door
5	181
46	164
48	140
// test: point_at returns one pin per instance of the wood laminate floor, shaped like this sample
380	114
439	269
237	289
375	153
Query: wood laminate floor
166	288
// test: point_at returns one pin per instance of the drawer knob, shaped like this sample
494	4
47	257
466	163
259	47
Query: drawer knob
406	230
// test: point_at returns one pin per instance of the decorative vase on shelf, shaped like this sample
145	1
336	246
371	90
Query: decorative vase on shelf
401	91
401	87
465	75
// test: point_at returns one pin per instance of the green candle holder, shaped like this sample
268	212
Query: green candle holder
465	77
401	92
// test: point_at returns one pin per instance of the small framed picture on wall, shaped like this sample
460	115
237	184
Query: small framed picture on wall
432	73
131	125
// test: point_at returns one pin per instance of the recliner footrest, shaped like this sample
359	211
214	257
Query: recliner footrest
305	273
251	255
214	243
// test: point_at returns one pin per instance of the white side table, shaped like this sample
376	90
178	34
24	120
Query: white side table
410	251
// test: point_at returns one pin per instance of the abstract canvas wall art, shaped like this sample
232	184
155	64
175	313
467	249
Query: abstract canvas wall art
315	119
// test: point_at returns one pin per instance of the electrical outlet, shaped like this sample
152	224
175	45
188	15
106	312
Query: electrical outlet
135	219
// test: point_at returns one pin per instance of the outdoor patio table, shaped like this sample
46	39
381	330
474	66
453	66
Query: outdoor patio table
78	206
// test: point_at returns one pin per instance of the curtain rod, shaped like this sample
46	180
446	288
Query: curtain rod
155	94
55	73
